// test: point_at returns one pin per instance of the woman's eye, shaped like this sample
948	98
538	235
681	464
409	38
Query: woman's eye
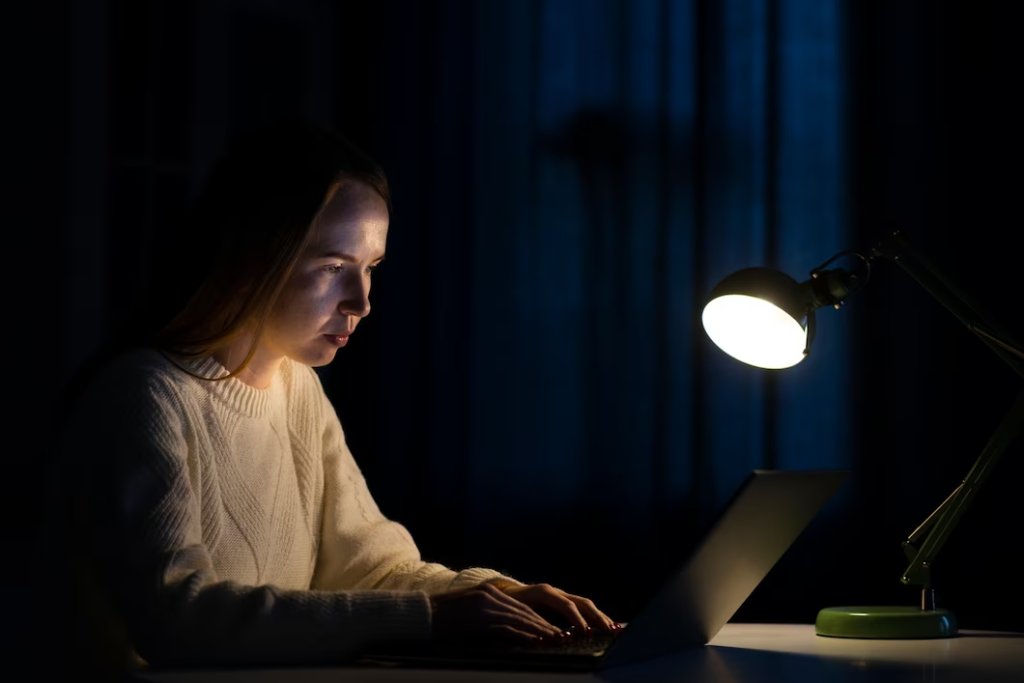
336	268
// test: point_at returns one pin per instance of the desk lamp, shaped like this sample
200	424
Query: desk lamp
765	318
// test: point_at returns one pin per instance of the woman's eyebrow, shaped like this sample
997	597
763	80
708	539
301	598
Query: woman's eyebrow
342	256
336	254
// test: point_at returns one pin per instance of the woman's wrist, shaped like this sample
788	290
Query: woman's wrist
501	583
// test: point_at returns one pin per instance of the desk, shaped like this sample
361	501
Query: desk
740	653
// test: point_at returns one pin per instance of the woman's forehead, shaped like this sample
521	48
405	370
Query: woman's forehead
355	218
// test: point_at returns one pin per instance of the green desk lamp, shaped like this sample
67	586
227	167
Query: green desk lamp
765	318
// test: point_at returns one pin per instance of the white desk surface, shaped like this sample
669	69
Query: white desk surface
740	653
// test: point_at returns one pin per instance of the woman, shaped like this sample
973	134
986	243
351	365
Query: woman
222	517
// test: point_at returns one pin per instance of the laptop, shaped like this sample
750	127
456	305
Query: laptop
763	518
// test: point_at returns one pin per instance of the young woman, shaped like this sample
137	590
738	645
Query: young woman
219	514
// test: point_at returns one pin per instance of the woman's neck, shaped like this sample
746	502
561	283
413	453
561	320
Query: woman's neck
259	372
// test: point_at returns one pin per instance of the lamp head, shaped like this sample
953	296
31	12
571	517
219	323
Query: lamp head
765	318
756	316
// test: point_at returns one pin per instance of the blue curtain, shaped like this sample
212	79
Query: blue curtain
578	177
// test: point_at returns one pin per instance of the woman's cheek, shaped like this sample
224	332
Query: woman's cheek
310	289
302	299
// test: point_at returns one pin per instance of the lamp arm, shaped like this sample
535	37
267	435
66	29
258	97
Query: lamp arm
953	507
927	524
941	522
898	249
982	333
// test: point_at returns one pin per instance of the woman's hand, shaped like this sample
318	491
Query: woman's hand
485	614
579	612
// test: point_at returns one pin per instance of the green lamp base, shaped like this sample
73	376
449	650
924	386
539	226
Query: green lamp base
885	622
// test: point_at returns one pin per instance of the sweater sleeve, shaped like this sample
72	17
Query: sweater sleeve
151	562
359	547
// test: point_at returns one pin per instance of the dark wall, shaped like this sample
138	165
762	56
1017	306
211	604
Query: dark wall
120	108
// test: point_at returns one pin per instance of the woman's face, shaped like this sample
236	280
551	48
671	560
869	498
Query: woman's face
328	293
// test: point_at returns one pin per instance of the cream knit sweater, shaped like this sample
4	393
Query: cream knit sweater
225	523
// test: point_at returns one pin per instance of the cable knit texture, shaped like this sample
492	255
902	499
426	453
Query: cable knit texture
224	523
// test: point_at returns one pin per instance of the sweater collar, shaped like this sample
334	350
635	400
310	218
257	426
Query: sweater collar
232	391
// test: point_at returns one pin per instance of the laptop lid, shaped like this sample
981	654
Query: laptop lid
766	514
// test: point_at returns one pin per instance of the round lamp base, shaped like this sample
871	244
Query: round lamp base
885	622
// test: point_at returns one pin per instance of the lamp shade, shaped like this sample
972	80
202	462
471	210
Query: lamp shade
757	315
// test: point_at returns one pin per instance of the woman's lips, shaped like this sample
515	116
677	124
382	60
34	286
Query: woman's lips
337	339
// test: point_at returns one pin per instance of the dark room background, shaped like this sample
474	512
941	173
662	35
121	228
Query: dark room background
534	391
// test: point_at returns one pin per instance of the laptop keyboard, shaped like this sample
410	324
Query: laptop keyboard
578	650
594	645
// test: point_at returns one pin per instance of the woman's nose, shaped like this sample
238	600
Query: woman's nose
356	298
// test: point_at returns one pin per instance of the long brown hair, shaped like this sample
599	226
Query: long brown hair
246	231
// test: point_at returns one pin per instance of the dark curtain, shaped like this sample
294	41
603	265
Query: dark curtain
534	391
571	179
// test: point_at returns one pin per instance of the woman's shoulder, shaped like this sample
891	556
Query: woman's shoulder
142	367
128	376
130	395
